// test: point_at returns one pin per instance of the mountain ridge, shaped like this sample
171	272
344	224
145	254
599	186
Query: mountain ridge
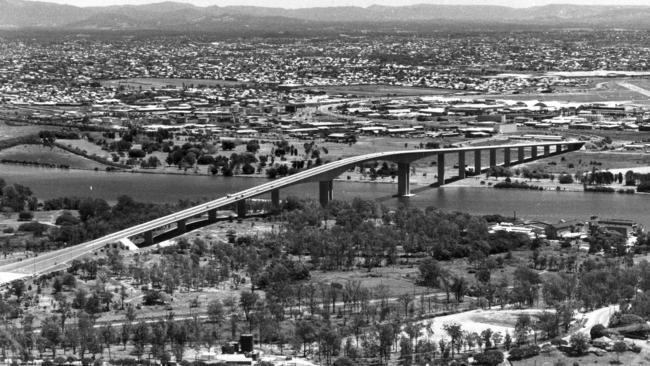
175	15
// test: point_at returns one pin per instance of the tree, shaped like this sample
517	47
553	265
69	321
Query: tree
247	301
486	334
86	332
51	332
507	342
108	336
252	146
248	169
619	347
306	333
405	299
141	336
523	326
459	287
18	288
216	314
227	145
579	342
548	323
489	358
455	333
25	216
597	331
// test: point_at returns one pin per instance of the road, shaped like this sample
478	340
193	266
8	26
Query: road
598	316
634	88
55	260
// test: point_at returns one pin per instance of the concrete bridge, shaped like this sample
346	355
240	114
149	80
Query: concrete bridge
323	174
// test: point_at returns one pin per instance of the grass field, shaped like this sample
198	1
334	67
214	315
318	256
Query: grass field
383	90
147	83
45	155
17	130
579	161
558	358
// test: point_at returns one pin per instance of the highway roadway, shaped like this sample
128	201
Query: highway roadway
52	261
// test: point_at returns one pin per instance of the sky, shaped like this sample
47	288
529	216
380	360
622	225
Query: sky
318	3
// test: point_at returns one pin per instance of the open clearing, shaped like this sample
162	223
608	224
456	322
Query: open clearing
46	155
382	90
147	83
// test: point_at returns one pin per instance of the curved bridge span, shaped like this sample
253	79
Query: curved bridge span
324	174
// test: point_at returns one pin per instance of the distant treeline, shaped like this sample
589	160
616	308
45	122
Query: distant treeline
35	163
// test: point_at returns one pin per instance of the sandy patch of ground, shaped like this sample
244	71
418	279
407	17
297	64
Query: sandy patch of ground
502	321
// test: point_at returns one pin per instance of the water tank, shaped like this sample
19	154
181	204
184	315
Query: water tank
246	343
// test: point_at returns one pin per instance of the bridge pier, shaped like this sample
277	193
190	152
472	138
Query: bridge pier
441	169
461	164
180	226
533	151
275	199
325	192
403	179
558	148
148	238
212	216
477	162
241	209
493	158
547	150
521	154
506	157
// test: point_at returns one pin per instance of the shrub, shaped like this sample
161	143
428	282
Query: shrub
227	145
490	358
33	227
25	216
579	343
248	169
597	331
520	353
643	187
619	320
517	185
272	173
8	230
600	189
136	153
565	179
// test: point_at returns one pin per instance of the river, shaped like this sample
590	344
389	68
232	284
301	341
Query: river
549	206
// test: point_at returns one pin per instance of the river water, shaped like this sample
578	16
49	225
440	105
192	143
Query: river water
549	206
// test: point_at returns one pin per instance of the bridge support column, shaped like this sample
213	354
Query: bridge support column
441	169
477	162
241	209
558	148
212	216
493	158
521	154
325	192
506	157
275	199
148	237
533	152
461	164
180	225
547	150
403	179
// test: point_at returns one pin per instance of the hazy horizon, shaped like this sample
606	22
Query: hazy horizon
295	4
